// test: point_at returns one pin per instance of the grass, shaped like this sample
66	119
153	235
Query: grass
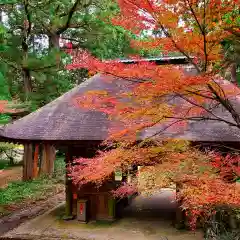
3	164
19	191
238	78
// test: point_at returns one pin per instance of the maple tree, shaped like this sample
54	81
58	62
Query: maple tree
194	28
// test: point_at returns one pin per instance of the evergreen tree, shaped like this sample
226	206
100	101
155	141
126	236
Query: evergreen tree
33	34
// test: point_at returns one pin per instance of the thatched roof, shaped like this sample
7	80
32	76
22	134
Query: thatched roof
62	120
200	131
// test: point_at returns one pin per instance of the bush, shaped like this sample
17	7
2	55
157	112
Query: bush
18	191
225	225
8	154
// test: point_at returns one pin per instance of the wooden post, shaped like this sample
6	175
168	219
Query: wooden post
44	167
51	158
28	162
180	214
35	161
68	187
48	157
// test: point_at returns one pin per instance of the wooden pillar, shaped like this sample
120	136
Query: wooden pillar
44	160
35	161
180	214
48	157
68	187
52	157
28	162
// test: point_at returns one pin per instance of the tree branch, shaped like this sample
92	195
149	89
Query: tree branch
204	37
227	105
168	35
195	17
29	24
70	15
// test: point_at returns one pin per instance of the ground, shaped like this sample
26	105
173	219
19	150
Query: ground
20	201
146	218
10	174
28	211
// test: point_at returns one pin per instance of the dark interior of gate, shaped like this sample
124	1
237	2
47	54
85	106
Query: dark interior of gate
91	203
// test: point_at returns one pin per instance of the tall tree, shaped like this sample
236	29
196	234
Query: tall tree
36	34
195	29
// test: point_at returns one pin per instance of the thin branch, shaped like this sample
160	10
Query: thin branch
170	125
227	105
200	94
161	131
168	35
9	63
70	15
233	31
195	104
43	67
195	17
237	124
29	26
204	119
222	145
204	37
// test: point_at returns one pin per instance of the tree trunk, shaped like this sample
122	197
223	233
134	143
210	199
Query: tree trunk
27	83
1	15
234	73
180	214
54	41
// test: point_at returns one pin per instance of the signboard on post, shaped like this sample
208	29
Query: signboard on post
82	210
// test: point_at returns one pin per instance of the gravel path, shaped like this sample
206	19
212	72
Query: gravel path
148	218
12	221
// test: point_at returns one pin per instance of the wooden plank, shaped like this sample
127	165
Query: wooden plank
102	207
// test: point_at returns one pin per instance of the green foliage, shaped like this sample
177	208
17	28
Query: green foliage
19	191
5	148
3	164
35	52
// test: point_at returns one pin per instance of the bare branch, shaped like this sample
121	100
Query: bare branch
227	105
